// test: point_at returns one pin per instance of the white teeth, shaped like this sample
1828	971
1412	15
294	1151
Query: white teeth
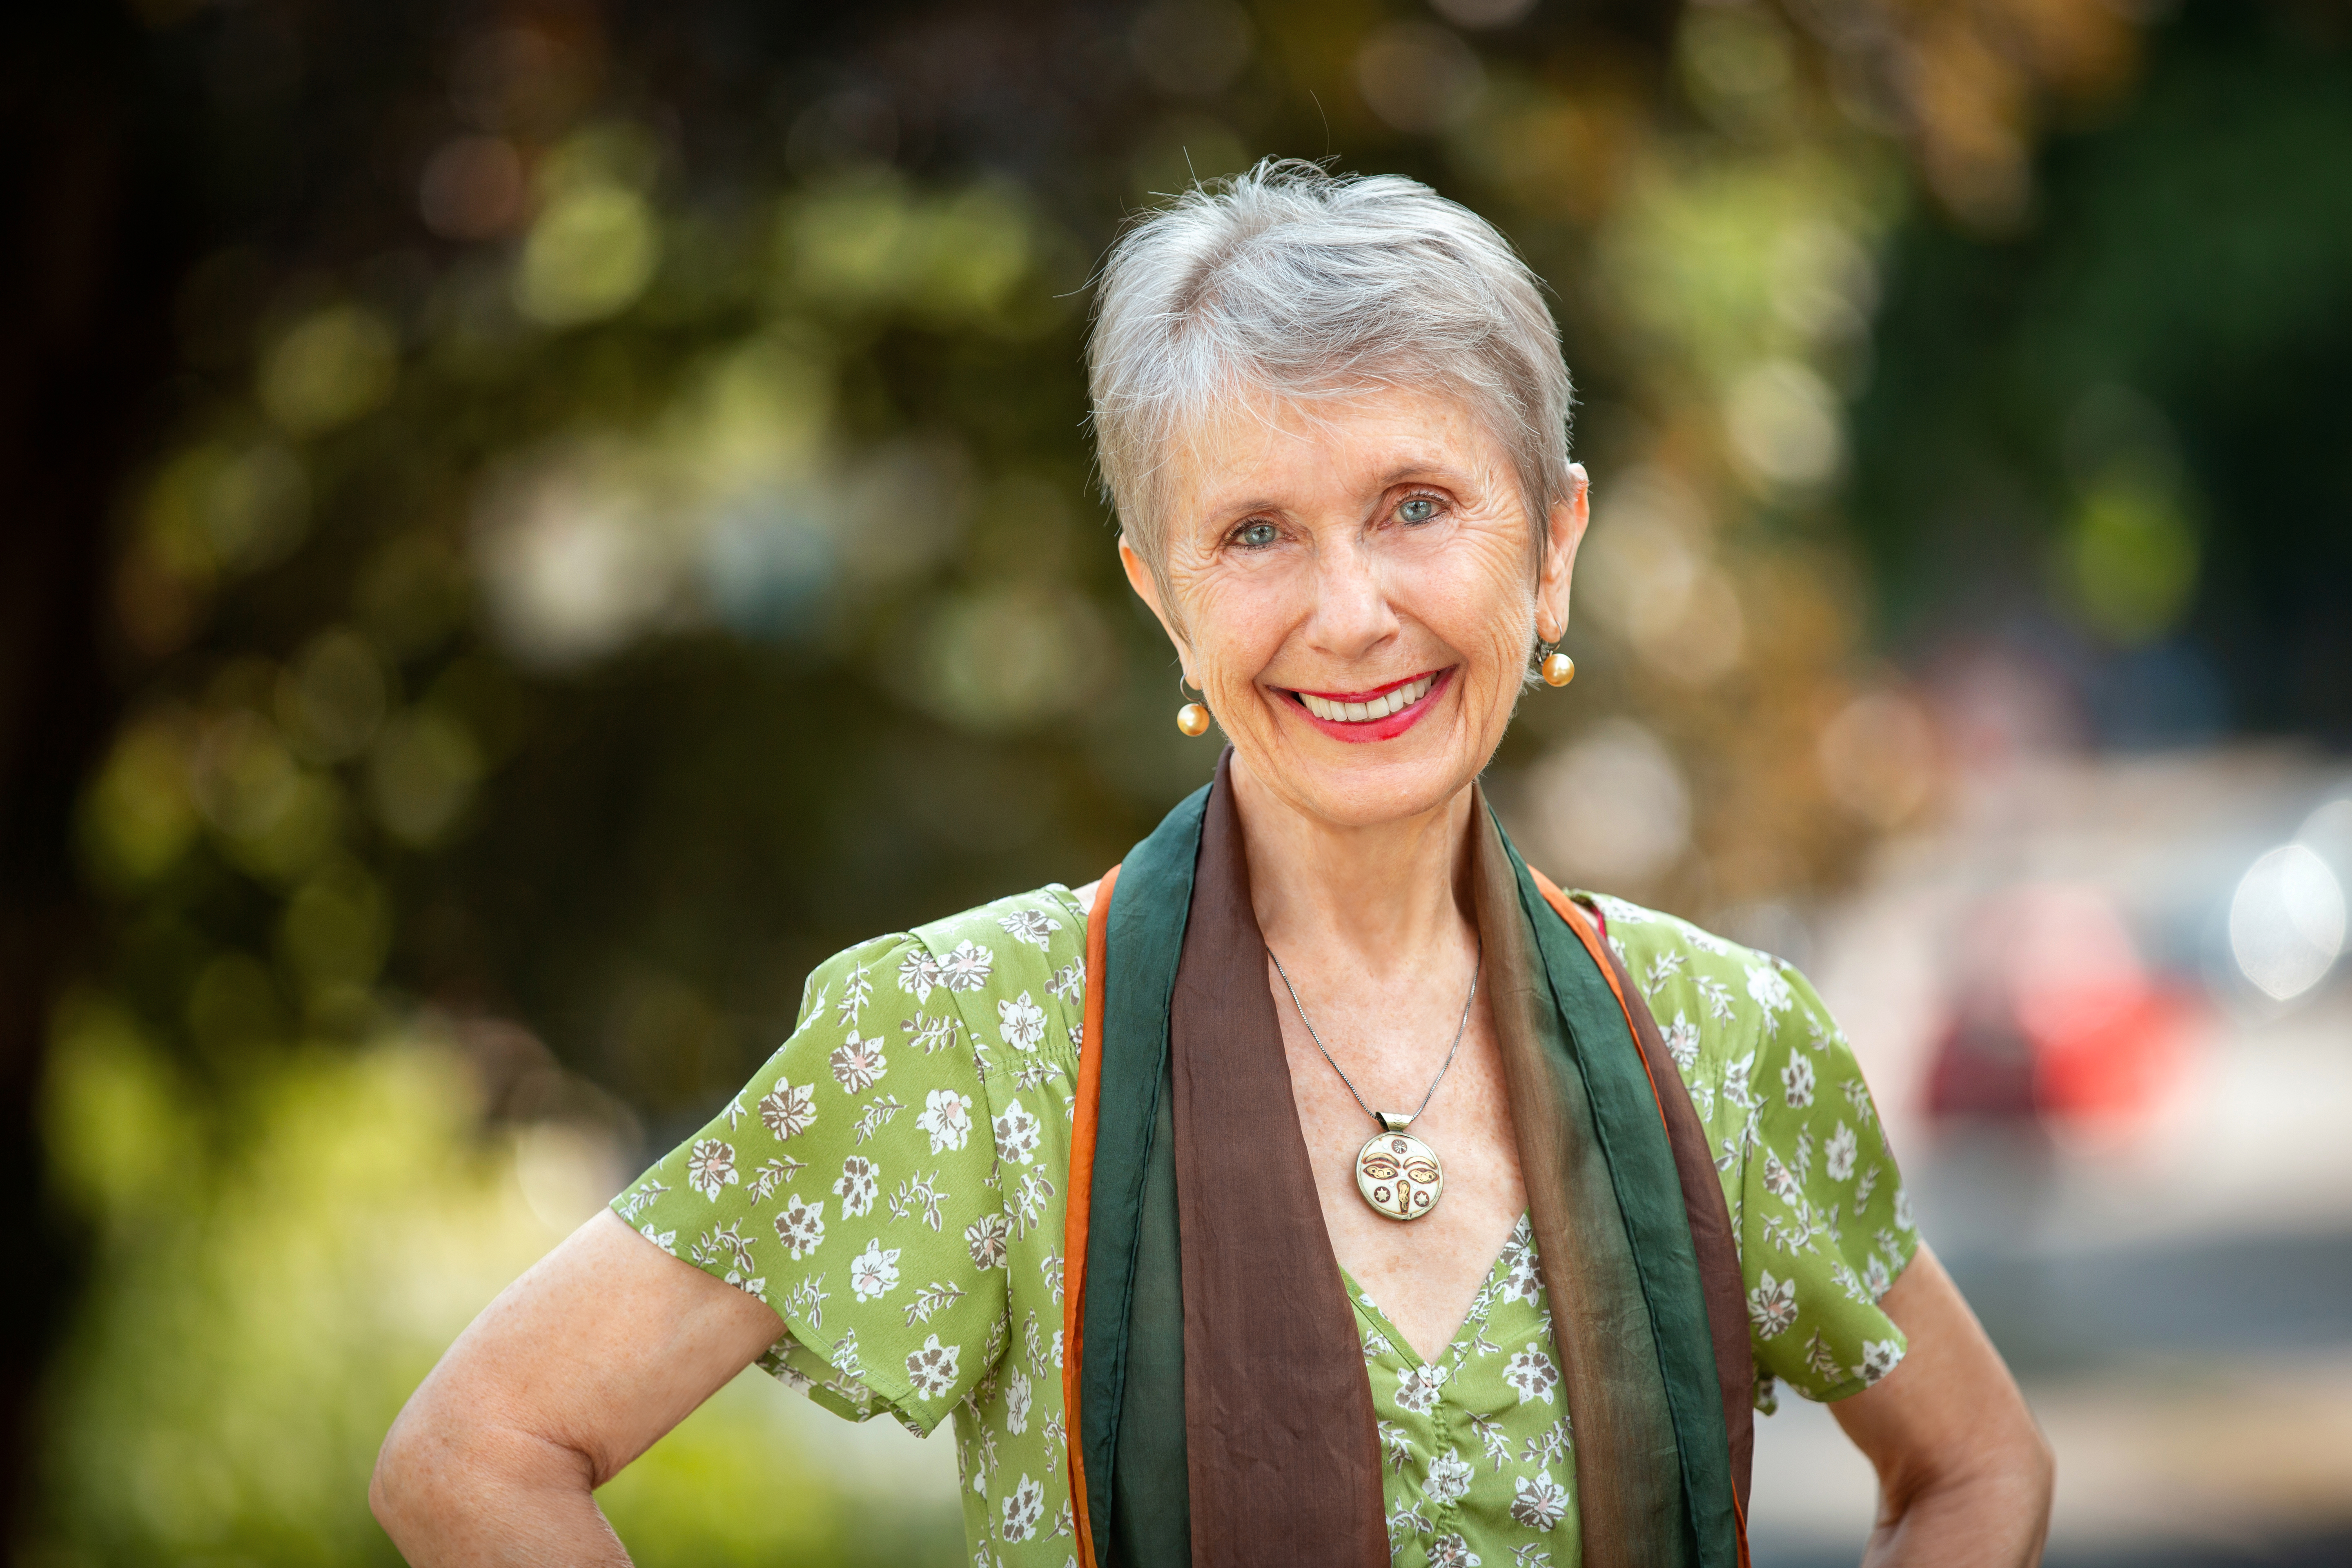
1396	702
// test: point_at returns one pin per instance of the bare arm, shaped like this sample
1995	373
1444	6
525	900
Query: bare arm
576	1370
1964	1474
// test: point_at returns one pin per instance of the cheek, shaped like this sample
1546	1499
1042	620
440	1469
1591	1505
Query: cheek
1233	621
1488	595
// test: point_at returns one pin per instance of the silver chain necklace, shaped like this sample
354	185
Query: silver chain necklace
1399	1175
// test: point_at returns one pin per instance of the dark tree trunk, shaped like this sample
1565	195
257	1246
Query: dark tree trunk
86	281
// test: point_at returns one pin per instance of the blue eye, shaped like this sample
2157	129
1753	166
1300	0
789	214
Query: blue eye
1419	509
1257	535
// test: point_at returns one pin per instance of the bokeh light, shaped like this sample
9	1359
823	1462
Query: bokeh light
2286	921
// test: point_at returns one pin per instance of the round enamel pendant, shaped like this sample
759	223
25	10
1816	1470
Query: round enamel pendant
1399	1175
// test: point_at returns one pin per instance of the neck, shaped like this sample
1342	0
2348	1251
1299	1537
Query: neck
1392	894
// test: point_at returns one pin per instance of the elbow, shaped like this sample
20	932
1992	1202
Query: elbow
399	1489
2040	1465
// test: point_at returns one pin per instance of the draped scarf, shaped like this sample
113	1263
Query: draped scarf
1221	1414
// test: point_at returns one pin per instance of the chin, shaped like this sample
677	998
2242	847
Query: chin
1370	784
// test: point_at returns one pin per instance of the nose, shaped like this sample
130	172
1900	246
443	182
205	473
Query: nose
1353	617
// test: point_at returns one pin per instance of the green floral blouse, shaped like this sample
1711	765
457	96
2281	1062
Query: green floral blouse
892	1184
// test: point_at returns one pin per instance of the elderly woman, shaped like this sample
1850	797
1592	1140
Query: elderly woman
1322	1186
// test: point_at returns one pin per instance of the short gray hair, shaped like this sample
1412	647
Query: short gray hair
1313	285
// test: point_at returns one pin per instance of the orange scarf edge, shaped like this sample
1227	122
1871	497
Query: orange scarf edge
1081	1196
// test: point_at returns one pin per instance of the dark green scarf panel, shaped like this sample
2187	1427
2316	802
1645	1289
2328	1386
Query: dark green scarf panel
1131	1390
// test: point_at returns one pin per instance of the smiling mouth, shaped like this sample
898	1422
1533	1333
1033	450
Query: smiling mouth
1371	706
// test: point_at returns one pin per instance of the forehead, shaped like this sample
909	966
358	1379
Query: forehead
1262	448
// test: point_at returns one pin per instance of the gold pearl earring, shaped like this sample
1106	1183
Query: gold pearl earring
1555	667
1192	719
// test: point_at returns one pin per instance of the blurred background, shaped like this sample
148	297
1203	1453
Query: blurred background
529	524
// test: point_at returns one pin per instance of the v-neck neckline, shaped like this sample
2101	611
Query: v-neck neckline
1361	1298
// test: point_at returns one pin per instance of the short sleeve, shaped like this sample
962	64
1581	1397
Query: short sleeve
1823	1223
852	1187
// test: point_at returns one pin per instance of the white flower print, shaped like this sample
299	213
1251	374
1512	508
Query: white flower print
1023	1021
860	1181
1706	940
1879	1357
967	968
875	1271
799	1226
1069	983
1016	1135
632	1203
725	1246
1540	1502
1532	1374
858	1064
932	1369
1903	1206
1017	1398
1736	1082
1772	1305
1030	926
1453	1552
1875	1279
855	992
1822	1359
1770	989
789	1109
986	1238
709	1166
919	973
845	1355
1682	1041
1779	1179
1838	1157
1448	1480
1417	1388
1022	1509
1797	1082
1522	1281
1620	912
947	1116
1548	1447
1717	994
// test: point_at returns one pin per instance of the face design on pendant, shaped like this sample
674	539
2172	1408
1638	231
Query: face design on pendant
1399	1175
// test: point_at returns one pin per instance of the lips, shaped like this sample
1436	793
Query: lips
1365	708
1382	713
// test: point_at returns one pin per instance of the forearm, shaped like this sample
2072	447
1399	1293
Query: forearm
490	1498
1964	1474
1993	1516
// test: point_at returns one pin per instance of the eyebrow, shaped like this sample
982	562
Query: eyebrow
1401	474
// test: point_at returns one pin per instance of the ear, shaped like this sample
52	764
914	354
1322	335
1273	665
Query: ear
1147	588
1564	531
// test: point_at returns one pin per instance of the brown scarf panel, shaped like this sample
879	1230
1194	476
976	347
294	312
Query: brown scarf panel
1280	1444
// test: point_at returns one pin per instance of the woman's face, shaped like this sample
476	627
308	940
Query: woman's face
1355	587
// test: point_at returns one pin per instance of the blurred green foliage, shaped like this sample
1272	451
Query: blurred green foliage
623	530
